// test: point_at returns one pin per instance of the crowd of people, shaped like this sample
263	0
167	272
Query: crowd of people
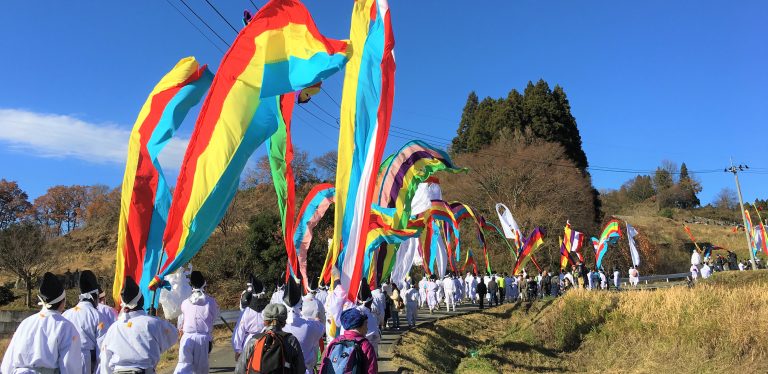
291	330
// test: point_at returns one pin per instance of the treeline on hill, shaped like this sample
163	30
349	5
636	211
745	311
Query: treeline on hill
671	189
525	151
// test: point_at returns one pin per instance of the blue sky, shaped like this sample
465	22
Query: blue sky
647	81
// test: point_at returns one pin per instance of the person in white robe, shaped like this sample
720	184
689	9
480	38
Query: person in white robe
136	340
412	305
458	286
472	288
694	273
198	312
88	321
432	294
706	271
45	342
634	276
307	331
378	305
108	313
322	295
423	291
616	278
603	280
450	290
251	321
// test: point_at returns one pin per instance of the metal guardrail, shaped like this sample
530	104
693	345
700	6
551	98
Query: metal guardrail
230	316
658	278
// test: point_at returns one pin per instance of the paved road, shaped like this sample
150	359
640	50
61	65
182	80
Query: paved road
223	359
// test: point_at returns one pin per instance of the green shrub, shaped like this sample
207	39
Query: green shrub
666	213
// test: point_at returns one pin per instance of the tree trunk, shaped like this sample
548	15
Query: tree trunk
28	286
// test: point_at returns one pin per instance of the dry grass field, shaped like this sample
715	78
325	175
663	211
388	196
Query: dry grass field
719	324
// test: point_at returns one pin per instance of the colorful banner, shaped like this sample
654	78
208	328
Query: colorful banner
610	235
313	209
280	155
412	165
366	111
146	196
534	241
279	51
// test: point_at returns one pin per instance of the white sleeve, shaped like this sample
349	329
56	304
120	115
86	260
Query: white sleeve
168	335
104	357
7	366
238	336
70	357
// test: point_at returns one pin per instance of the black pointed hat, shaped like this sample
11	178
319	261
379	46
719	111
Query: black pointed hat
293	293
51	289
258	303
256	285
88	282
131	294
196	279
365	291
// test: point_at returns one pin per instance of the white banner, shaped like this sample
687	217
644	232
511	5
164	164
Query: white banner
631	233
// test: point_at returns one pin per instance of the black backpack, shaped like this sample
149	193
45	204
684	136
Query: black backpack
269	354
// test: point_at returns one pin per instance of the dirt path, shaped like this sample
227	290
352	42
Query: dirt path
222	357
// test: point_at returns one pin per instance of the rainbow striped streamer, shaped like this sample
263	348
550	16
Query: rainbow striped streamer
470	260
398	179
280	155
413	164
146	198
313	209
279	51
610	235
534	241
366	111
380	233
763	242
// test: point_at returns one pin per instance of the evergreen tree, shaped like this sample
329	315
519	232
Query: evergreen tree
540	111
688	189
467	121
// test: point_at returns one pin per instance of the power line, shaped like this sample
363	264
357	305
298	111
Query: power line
330	97
205	23
254	5
222	16
195	26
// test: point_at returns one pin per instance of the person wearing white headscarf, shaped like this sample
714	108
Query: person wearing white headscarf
88	321
45	341
136	340
196	323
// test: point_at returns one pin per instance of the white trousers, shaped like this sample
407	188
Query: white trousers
449	301
193	354
411	310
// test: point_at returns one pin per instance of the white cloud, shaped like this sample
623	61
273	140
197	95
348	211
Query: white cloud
63	136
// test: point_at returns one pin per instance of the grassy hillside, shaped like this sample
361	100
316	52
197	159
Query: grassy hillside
718	324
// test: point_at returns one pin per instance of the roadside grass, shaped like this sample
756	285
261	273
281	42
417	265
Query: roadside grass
720	324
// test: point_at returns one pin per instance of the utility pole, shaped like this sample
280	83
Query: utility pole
735	170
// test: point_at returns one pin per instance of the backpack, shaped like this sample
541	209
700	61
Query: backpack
268	354
344	357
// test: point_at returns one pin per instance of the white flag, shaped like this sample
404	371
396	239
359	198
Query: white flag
631	233
508	224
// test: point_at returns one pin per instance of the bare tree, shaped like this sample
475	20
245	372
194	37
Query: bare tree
326	163
726	199
24	253
232	217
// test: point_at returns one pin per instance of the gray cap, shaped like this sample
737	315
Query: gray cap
275	312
